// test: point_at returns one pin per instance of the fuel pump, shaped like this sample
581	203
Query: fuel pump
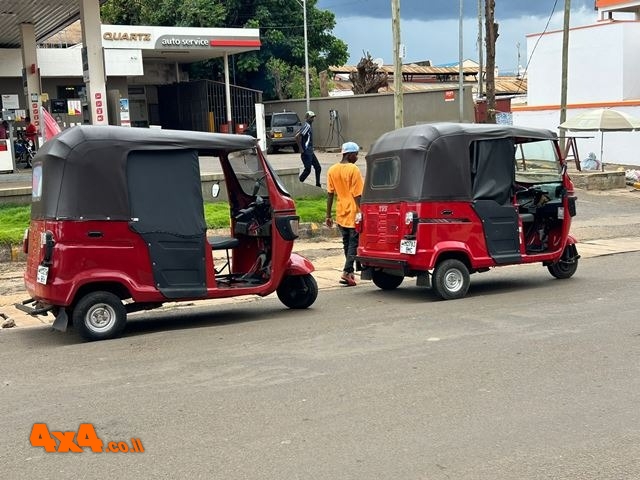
7	157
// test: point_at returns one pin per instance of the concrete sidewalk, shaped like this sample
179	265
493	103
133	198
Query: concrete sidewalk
327	257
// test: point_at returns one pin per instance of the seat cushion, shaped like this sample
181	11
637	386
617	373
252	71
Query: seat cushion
223	243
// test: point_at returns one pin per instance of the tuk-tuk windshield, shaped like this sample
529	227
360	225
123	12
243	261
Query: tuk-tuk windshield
537	161
250	172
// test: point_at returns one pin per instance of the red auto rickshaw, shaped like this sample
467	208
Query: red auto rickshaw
118	226
444	200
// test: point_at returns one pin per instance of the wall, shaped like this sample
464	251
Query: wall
597	54
13	86
60	62
630	63
363	118
603	71
159	73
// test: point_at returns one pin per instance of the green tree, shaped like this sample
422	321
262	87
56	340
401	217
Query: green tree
183	13
281	56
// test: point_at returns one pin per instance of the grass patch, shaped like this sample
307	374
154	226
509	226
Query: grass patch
312	209
14	219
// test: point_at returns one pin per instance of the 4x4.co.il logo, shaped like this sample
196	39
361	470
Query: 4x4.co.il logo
54	441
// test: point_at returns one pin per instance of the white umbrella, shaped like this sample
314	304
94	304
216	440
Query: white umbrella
602	120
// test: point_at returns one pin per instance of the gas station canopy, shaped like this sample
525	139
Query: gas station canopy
47	16
26	23
162	44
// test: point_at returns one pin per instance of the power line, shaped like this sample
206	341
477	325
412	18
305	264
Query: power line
524	74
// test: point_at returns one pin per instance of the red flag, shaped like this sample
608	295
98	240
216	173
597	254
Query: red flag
51	127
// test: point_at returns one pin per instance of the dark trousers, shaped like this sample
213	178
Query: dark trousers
309	160
350	247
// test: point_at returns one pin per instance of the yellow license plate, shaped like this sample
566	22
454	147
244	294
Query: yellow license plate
277	134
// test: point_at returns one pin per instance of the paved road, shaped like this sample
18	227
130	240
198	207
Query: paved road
526	378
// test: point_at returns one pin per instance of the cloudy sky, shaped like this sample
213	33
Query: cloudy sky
429	28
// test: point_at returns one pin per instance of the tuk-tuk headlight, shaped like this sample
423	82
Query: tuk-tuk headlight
288	226
294	225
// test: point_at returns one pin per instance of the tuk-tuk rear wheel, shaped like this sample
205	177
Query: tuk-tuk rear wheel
386	281
99	316
298	291
451	279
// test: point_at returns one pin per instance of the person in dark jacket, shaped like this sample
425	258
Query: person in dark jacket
304	138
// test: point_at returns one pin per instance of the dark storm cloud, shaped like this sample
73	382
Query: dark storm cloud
444	9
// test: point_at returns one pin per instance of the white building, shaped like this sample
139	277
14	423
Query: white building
603	71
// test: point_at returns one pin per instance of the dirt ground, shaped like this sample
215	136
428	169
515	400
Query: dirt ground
11	280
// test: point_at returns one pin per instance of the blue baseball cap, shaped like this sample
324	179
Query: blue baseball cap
350	147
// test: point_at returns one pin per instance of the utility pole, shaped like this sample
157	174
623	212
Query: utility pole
491	32
398	108
460	70
565	62
306	55
480	51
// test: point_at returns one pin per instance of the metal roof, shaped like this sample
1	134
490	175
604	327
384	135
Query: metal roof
503	86
410	70
47	16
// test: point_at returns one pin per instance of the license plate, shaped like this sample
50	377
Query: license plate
43	273
277	134
408	246
561	213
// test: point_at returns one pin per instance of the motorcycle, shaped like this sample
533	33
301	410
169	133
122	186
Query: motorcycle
24	150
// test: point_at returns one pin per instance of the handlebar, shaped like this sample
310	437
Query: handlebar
250	209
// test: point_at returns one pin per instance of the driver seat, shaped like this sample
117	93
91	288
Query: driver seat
226	244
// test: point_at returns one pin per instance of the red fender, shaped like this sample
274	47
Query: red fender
571	240
298	265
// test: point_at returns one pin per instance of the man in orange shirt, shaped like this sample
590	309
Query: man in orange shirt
345	180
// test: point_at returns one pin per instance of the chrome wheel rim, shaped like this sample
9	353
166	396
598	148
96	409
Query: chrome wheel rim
100	317
453	280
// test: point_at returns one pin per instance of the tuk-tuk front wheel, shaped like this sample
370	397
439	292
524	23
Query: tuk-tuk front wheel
298	291
451	279
386	281
562	269
99	316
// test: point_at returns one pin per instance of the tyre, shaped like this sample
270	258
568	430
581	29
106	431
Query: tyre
451	279
270	149
296	149
298	291
562	269
385	281
99	316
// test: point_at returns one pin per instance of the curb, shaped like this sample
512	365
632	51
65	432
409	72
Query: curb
316	230
12	253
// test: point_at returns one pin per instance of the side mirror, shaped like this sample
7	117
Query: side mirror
215	190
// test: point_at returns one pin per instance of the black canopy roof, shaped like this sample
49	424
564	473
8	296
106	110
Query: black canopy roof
434	158
84	168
